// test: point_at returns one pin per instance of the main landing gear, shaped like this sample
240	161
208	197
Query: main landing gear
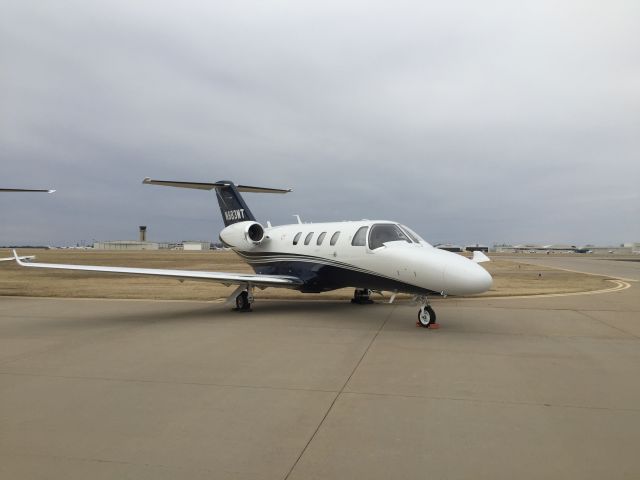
361	296
244	299
426	315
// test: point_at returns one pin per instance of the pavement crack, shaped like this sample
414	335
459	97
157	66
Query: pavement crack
340	392
489	401
591	317
167	382
115	462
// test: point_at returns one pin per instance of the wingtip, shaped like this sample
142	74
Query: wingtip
146	180
51	191
480	257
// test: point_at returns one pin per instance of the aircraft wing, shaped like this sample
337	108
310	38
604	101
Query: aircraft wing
218	277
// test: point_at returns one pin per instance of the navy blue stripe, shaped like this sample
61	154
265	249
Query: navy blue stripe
285	257
322	277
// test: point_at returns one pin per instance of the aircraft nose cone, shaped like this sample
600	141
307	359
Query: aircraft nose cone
484	280
467	278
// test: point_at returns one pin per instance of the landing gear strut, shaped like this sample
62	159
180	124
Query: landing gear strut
426	315
361	296
244	300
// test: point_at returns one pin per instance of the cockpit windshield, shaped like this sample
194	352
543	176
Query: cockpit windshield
386	232
413	235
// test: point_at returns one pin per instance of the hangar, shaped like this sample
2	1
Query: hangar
195	246
477	247
126	245
140	244
449	247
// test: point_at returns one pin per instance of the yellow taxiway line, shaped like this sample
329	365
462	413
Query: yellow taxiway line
620	285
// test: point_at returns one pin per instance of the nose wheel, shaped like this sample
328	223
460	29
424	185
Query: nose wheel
427	317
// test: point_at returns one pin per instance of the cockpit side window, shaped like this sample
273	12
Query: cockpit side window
334	238
360	238
386	232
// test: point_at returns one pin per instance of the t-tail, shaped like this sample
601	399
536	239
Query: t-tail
232	206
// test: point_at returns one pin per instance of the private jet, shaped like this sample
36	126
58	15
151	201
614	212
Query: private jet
26	257
368	255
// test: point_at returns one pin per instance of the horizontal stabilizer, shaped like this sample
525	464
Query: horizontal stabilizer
211	186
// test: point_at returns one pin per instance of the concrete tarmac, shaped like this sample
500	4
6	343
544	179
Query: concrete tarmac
521	388
623	267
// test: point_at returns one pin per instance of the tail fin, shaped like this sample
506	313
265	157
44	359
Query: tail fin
232	205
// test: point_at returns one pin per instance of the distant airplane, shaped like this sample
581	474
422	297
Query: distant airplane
26	257
25	190
367	255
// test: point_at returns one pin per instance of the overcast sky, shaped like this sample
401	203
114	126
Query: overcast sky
469	121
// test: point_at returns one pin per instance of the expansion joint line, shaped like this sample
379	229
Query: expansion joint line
602	322
335	399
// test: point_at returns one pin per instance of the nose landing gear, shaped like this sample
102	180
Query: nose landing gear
427	318
426	315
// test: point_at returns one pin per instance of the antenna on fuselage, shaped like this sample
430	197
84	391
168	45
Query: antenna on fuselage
298	217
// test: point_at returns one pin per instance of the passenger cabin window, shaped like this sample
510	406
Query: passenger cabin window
296	239
385	232
360	238
321	238
334	238
308	238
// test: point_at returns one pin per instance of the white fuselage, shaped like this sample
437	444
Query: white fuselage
407	265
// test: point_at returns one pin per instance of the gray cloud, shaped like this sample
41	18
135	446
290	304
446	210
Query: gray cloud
472	121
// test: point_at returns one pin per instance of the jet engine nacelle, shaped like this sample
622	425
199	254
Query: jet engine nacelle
243	235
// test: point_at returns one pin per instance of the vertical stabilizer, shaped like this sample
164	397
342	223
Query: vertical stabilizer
232	206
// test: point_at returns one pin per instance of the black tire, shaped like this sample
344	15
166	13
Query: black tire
242	301
361	296
429	319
